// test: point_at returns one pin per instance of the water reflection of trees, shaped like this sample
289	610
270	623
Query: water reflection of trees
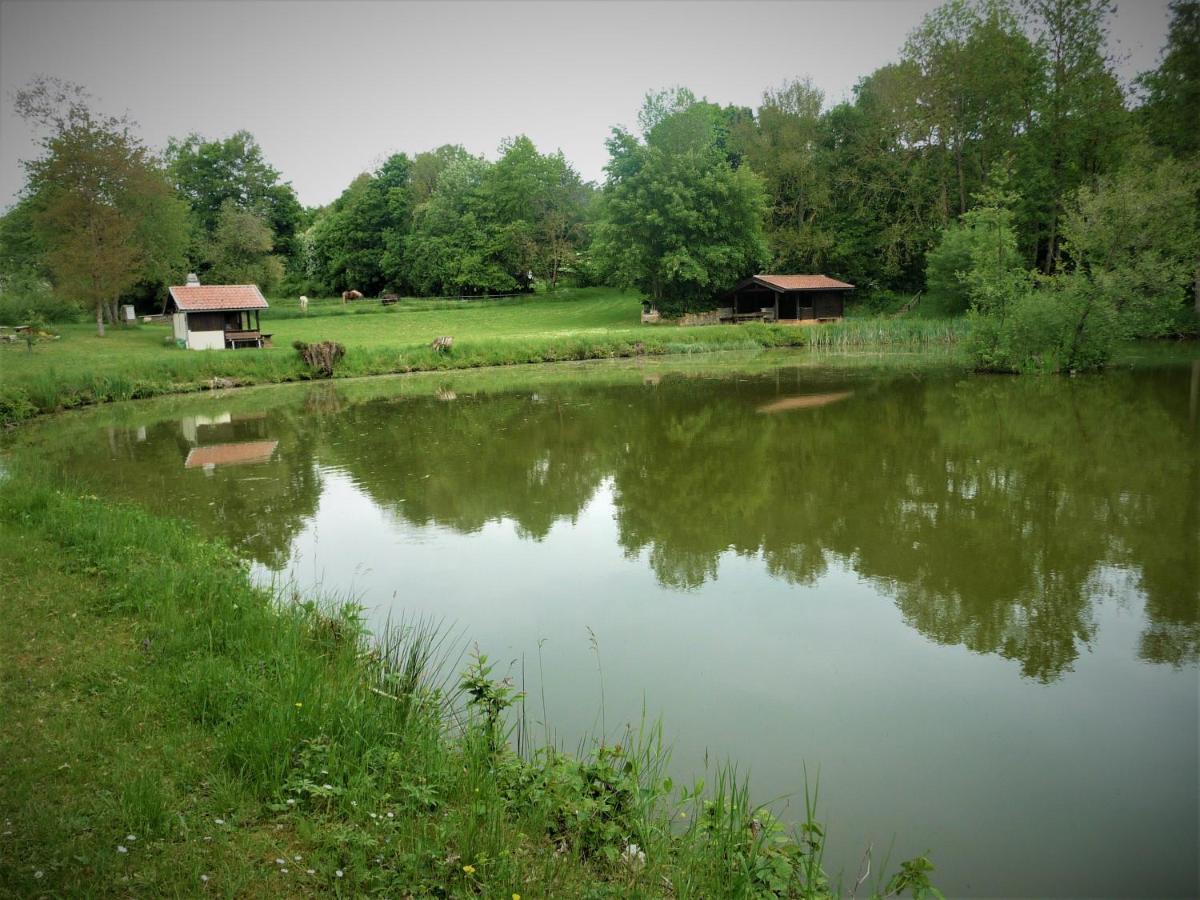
991	509
994	511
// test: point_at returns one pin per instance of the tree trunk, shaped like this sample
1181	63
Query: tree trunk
100	318
962	182
1048	268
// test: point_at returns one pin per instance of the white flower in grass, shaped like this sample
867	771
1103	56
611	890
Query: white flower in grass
131	838
283	871
310	871
38	874
279	861
121	848
296	858
634	855
219	821
339	873
204	878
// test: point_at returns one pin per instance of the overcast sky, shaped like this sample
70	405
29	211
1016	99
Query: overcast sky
329	89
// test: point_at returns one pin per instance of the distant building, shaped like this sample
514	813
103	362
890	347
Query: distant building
216	316
787	298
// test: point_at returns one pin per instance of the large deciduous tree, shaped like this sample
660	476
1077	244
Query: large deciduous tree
239	251
679	222
1171	111
101	205
212	174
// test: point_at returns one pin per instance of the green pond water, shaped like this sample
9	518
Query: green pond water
973	603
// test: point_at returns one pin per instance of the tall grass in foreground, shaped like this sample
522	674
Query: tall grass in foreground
386	775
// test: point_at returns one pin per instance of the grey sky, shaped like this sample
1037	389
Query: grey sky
329	89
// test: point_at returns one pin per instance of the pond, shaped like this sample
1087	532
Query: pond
971	604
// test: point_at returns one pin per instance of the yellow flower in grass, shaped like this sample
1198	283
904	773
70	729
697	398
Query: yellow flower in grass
470	870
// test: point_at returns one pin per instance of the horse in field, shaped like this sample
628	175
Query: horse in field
351	295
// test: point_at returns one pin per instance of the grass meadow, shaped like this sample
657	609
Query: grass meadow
80	368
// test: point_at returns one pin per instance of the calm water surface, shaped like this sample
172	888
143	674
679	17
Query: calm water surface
973	603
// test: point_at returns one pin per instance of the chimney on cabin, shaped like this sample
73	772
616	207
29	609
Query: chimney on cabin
192	280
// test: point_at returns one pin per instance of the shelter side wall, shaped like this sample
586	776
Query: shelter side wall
206	340
828	305
179	326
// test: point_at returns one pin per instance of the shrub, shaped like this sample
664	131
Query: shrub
944	267
25	303
15	405
1063	327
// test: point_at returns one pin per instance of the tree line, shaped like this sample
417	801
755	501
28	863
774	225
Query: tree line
997	167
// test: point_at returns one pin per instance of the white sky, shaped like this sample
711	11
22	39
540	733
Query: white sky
329	89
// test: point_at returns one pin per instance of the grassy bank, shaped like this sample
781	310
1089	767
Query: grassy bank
81	369
173	730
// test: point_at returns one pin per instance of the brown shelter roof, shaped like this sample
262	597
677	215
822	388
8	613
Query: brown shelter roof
216	297
230	454
802	283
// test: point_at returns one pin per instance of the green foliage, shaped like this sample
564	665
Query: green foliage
678	221
211	175
1134	240
22	256
459	244
23	301
1172	91
945	266
239	251
100	205
358	242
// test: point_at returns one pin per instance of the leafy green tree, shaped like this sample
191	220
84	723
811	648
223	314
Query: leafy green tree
886	200
101	204
1172	91
1081	128
239	251
1134	242
783	145
210	174
457	244
978	76
540	202
358	242
945	268
22	257
679	222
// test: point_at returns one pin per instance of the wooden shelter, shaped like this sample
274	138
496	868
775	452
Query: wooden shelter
216	316
786	298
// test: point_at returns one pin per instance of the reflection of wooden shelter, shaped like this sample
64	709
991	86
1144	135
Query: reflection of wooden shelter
230	454
803	401
786	298
217	316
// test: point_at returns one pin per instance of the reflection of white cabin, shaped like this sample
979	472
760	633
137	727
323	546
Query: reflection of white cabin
216	316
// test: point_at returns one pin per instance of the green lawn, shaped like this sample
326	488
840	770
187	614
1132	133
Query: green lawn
366	325
80	368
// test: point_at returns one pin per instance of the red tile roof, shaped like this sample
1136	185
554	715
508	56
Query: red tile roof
802	282
230	454
217	297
